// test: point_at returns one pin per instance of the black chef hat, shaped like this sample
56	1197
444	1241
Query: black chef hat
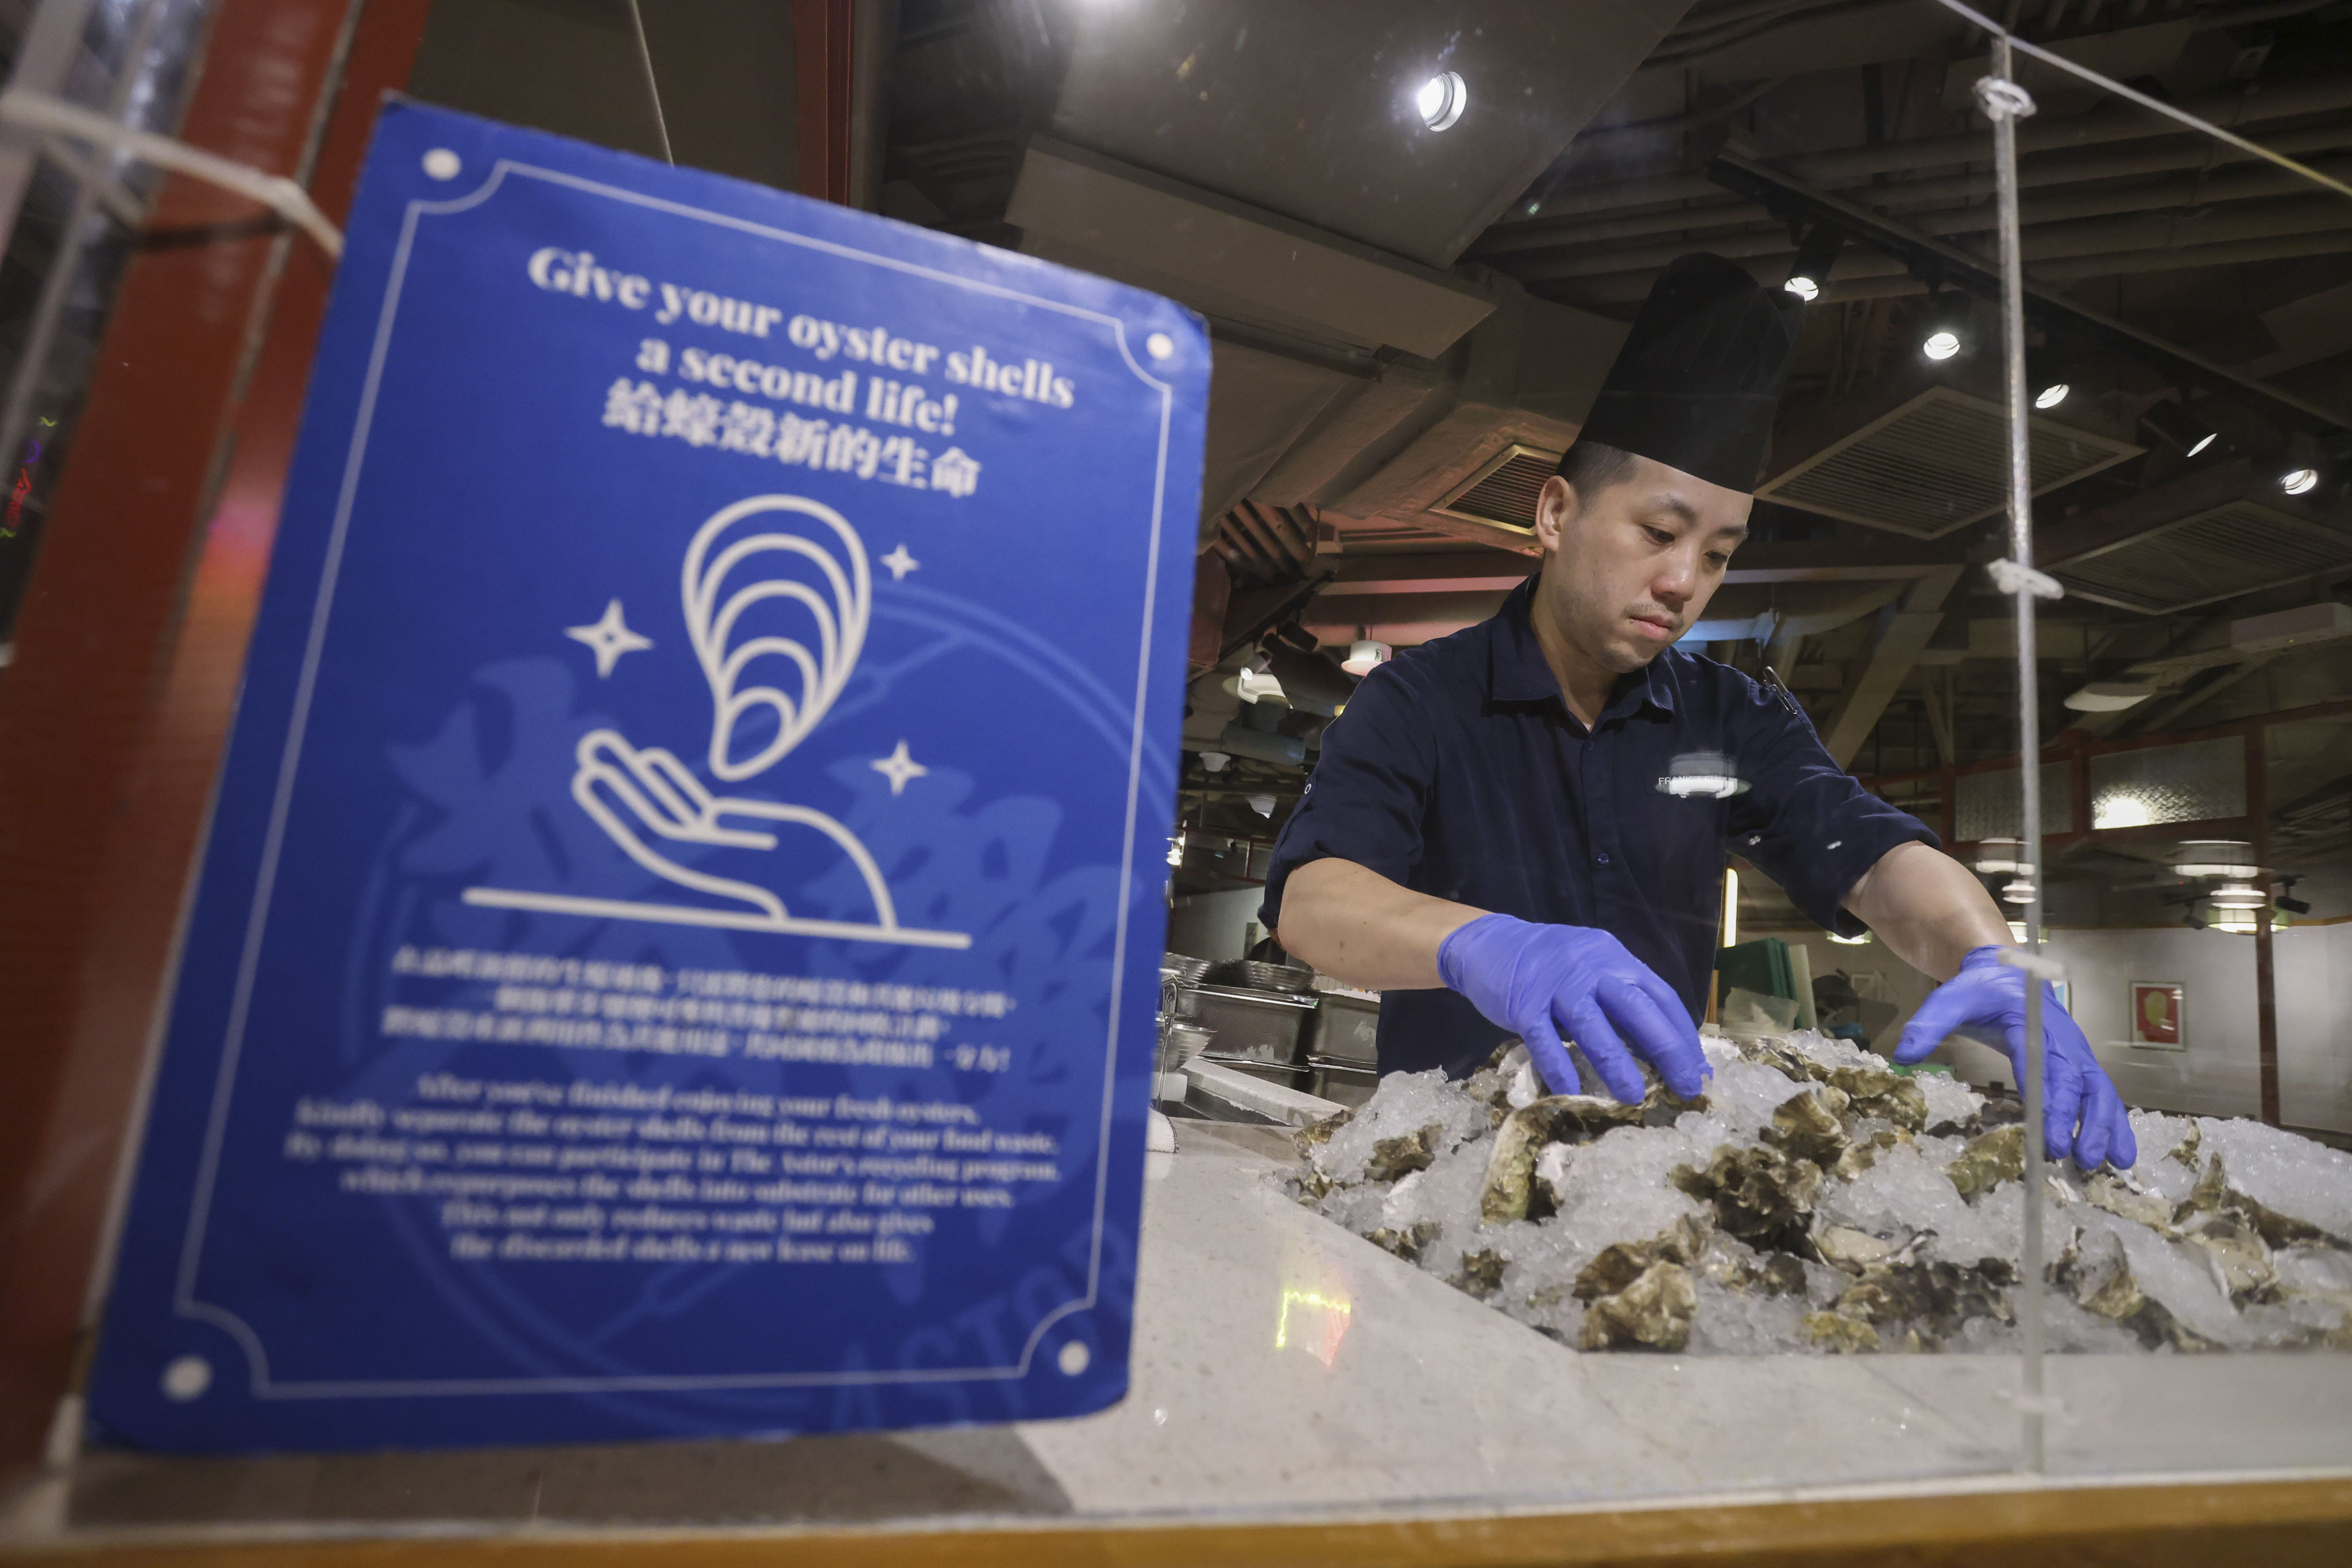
1699	377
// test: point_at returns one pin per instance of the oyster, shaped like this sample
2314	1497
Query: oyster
2108	1192
1482	1272
1315	1134
1875	1091
1652	1312
1511	1164
1999	1156
1835	1331
1400	1155
1806	1125
1621	1263
1760	1195
1842	1246
1406	1243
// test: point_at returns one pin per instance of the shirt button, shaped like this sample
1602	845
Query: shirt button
1602	857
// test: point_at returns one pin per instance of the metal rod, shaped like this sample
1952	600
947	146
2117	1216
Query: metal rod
653	87
2002	42
2004	103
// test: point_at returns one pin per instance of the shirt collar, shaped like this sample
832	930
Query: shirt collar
1517	671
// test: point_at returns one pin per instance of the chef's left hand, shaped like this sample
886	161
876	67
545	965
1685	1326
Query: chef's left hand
2082	1114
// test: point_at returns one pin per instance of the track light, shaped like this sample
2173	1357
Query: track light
1440	100
1948	328
1815	256
2299	481
2046	378
2183	429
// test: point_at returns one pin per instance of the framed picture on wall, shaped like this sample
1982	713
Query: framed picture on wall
2156	1015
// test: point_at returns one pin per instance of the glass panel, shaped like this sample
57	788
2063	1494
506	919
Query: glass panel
1986	804
2203	781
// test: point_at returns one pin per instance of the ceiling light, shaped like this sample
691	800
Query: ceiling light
1442	99
2238	896
1849	940
1214	762
2237	922
1941	343
1176	851
2020	891
2299	481
2229	857
2017	929
1816	254
2176	425
2002	856
1262	803
1365	656
2109	696
2121	808
2052	395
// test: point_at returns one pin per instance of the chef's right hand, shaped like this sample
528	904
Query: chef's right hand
1543	980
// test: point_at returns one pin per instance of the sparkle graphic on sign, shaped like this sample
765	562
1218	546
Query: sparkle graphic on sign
899	767
609	639
900	564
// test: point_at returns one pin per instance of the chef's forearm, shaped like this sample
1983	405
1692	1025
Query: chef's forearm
1357	926
1928	907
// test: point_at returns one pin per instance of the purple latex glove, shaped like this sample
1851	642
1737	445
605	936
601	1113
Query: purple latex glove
1541	981
2082	1114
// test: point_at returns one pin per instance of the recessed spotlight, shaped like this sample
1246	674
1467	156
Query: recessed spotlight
1816	254
1941	343
1442	98
2299	481
2052	395
1803	288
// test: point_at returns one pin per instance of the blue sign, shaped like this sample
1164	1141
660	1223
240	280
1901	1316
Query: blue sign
676	949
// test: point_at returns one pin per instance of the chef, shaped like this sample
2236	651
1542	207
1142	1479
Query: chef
1520	829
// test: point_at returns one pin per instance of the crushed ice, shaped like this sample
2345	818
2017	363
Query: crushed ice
1813	1200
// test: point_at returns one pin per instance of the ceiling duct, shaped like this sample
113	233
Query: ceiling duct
1502	490
1938	462
2219	553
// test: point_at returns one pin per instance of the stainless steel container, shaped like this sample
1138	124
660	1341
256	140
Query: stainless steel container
1249	973
1247	1025
1346	1030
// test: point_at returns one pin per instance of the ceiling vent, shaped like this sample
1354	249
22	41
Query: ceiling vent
1502	493
2218	554
1937	463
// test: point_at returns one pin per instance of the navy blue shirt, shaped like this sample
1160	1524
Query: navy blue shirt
1457	771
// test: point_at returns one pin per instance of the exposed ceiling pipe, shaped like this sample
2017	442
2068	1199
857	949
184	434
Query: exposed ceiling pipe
1857	165
2047	247
2164	158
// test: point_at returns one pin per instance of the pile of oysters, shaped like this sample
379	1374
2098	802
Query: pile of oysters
1815	1200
